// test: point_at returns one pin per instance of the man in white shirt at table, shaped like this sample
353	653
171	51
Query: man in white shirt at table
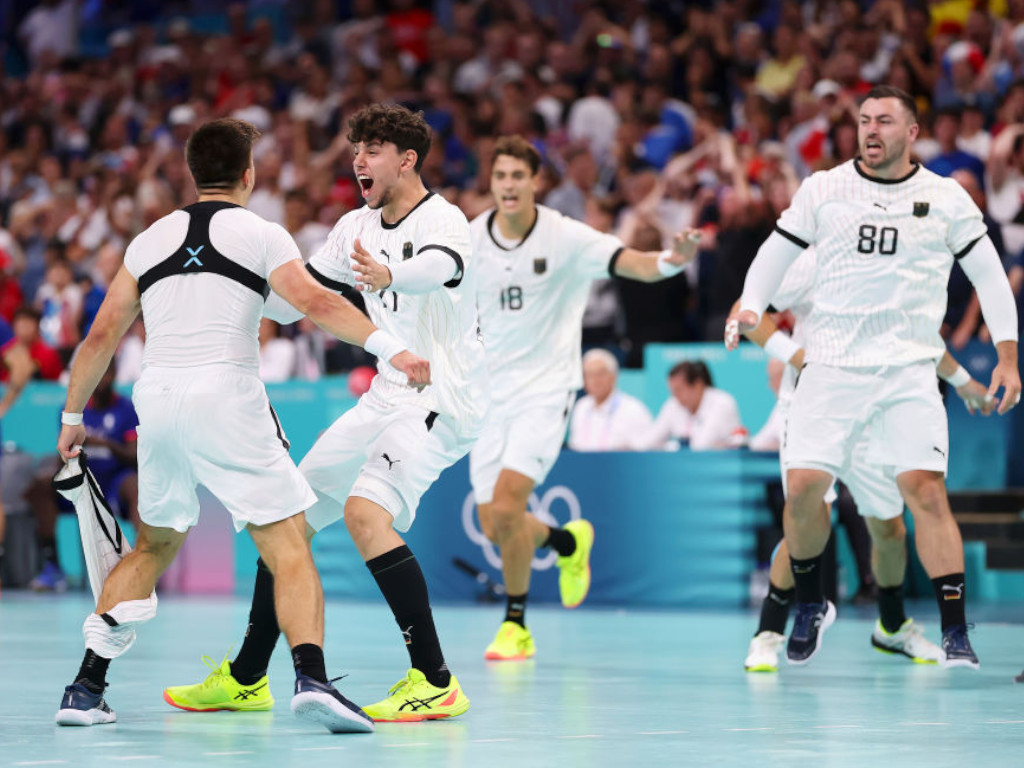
606	419
697	414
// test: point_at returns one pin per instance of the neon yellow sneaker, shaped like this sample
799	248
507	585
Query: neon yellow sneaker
221	691
512	643
412	699
574	576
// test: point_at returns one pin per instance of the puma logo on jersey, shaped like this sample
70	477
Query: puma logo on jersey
879	205
389	461
939	451
385	254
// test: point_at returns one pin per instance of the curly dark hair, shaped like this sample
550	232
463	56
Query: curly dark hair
389	122
518	147
218	152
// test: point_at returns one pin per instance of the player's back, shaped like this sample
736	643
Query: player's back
202	274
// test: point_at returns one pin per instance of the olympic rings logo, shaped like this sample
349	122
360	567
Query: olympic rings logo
541	507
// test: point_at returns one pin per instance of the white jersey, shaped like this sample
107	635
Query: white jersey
531	298
203	286
884	252
440	325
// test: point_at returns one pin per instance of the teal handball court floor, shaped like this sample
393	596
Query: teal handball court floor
607	688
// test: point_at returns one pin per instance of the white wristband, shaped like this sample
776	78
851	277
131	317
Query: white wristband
958	378
383	345
781	347
70	419
667	268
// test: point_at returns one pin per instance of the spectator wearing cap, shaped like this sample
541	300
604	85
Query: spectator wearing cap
959	81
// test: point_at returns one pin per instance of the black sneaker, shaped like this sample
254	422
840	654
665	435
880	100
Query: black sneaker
812	619
957	647
322	703
80	706
1019	678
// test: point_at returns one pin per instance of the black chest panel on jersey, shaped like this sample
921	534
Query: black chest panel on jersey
198	256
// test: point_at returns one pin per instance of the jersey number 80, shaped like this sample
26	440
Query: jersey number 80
883	239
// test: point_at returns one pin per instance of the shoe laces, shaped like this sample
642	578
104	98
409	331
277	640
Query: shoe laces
805	617
215	675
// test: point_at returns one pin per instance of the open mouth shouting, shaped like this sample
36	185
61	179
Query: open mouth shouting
365	183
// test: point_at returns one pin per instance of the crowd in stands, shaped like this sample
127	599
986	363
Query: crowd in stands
650	116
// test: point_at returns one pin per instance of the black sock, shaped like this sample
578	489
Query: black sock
401	582
807	575
48	550
560	540
775	610
515	609
93	672
309	661
261	635
949	591
890	608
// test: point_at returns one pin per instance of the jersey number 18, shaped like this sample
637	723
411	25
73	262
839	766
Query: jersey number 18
512	298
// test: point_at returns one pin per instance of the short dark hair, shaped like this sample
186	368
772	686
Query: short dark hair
219	152
892	92
693	371
389	122
518	147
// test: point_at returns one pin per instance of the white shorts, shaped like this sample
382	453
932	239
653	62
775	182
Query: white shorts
524	435
216	428
872	485
897	409
389	455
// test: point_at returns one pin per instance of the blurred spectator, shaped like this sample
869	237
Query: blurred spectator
59	301
570	197
697	414
49	365
298	220
605	419
945	131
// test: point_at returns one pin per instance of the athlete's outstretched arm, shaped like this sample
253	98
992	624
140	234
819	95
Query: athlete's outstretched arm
766	334
764	277
118	311
340	318
652	266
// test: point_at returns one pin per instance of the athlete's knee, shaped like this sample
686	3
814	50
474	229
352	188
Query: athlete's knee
507	516
807	489
365	520
888	532
925	492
